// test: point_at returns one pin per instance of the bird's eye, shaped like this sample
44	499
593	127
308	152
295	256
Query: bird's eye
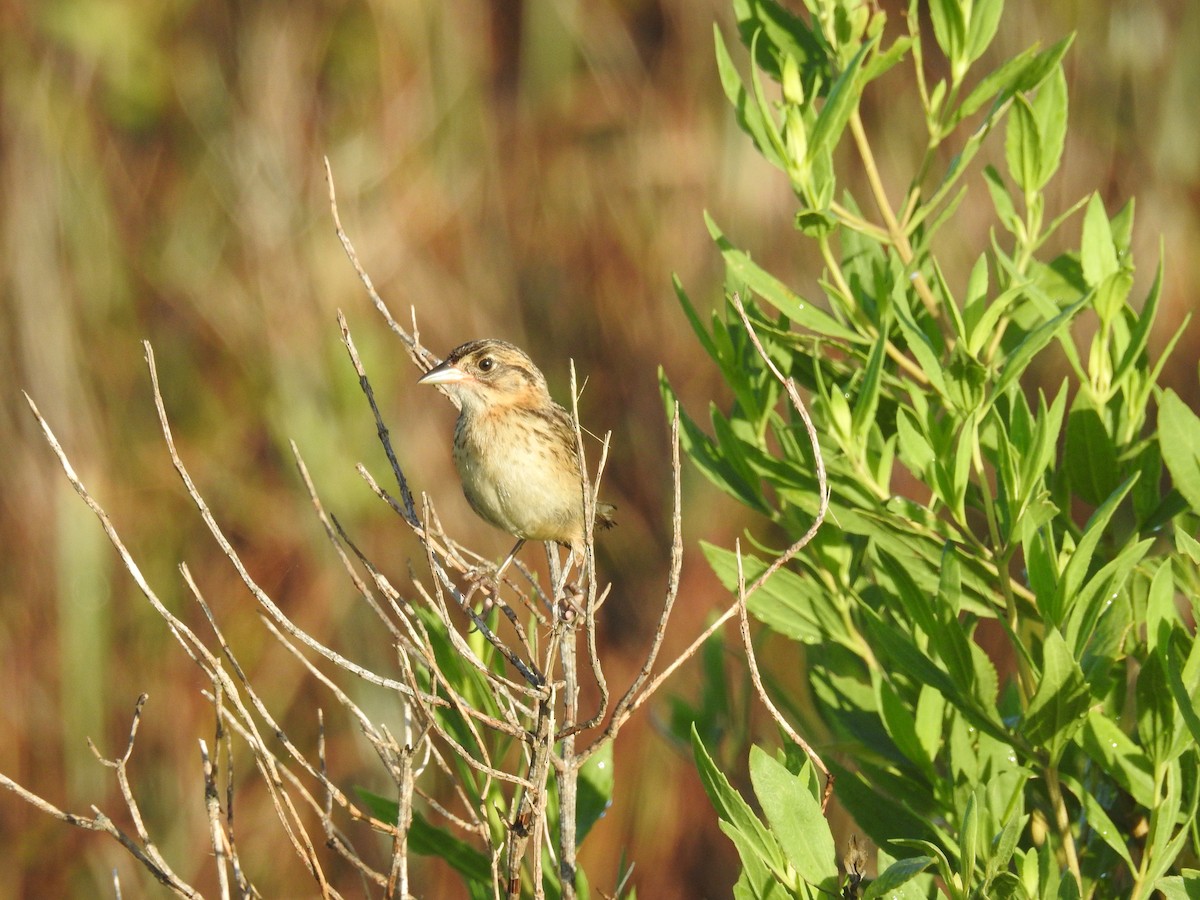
485	364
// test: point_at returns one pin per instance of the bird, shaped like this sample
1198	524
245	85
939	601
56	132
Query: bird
514	447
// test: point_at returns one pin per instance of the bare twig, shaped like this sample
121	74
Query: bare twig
422	358
141	849
742	593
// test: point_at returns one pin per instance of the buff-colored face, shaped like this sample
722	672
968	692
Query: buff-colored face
489	373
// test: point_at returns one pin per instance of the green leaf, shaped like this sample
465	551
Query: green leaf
896	876
1090	456
1097	253
1179	437
428	840
1050	109
795	817
1118	756
1081	560
1006	843
758	881
918	341
949	638
1139	337
1023	145
689	312
877	814
733	809
775	292
985	18
1155	710
1180	887
1184	682
1061	700
901	725
796	607
1033	344
867	401
1098	820
707	456
749	115
839	104
787	36
1006	211
949	28
1165	841
915	452
594	790
968	839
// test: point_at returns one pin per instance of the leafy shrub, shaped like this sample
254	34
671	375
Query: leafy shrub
967	504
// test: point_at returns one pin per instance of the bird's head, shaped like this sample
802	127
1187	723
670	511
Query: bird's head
489	373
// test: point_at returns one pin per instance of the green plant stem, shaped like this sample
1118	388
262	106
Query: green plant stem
1003	556
839	281
857	223
898	238
1062	823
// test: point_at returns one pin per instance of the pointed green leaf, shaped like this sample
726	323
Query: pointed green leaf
895	876
839	104
1097	254
796	607
733	809
1090	456
795	817
1118	756
1023	145
1179	437
1032	344
595	790
985	18
1050	109
1061	700
775	292
1081	560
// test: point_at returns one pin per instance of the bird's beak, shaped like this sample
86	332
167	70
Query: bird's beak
446	373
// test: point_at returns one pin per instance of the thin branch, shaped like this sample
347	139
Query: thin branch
422	358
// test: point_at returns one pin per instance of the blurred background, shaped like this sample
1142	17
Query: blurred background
534	171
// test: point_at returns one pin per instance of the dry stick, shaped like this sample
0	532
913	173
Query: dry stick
569	760
422	358
186	638
528	671
567	763
212	805
635	702
525	819
634	696
286	774
331	533
273	772
588	567
121	767
410	509
823	489
223	736
215	530
398	880
266	761
100	822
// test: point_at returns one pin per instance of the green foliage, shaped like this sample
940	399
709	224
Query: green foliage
971	504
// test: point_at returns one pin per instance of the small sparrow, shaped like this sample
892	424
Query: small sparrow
514	447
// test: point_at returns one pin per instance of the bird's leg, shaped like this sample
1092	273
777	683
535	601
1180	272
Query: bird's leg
558	579
476	574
